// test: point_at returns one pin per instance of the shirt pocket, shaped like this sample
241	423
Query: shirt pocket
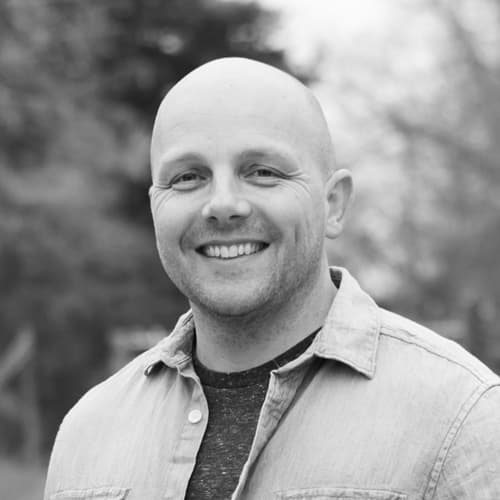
338	494
104	493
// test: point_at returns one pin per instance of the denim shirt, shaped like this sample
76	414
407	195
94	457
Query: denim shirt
377	408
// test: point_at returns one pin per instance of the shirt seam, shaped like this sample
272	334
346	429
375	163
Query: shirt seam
389	333
451	435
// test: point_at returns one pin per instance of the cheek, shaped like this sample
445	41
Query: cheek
296	208
170	218
158	199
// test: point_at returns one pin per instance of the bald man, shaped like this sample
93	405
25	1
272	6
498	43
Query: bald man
284	380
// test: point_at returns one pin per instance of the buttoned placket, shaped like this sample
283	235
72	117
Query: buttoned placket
191	437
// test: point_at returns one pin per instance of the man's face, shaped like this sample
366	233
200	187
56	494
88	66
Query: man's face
238	204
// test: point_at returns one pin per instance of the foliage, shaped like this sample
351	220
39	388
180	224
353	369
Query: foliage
453	146
425	124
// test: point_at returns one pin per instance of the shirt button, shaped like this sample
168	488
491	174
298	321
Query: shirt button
194	416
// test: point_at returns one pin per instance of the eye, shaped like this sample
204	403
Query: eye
187	181
263	172
263	175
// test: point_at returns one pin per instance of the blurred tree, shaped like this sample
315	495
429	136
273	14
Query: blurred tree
79	85
417	118
452	155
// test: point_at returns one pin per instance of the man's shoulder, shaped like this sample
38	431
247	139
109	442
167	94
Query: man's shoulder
122	416
101	401
434	352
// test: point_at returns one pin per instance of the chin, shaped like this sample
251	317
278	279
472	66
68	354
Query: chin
231	305
229	309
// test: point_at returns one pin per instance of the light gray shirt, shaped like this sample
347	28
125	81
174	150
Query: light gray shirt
377	408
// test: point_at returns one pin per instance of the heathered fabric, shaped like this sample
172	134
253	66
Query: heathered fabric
234	403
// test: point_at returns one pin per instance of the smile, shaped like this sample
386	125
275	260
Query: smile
232	251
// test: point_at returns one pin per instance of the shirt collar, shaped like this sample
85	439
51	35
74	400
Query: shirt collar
350	333
352	326
175	349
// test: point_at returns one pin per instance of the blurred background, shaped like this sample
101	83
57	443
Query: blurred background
411	90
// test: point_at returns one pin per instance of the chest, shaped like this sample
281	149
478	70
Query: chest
321	436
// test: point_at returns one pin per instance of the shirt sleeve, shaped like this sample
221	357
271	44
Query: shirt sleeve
472	467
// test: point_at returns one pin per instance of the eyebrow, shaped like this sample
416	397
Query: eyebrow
172	159
265	152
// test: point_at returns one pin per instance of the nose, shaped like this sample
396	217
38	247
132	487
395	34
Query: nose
226	202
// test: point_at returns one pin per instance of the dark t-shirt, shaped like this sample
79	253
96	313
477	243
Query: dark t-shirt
234	403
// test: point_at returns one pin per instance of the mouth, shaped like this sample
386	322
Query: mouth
231	251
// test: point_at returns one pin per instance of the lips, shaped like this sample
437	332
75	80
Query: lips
232	250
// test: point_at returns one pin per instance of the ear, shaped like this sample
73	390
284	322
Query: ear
338	195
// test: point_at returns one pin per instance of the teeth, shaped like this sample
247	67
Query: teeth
231	251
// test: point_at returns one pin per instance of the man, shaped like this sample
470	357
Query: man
285	380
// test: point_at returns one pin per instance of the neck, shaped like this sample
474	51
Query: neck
236	343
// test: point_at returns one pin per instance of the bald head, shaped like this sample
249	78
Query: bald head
236	87
240	155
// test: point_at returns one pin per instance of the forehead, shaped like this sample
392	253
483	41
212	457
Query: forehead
229	126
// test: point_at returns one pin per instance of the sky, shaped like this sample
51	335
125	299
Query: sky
307	24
